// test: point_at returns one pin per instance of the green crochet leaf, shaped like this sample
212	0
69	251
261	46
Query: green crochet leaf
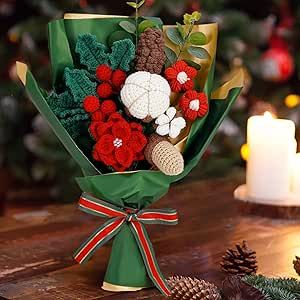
74	124
122	54
70	113
79	84
65	100
91	53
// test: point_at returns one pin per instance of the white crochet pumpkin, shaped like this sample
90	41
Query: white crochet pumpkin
146	95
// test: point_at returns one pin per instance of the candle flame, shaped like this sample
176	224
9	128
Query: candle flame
268	115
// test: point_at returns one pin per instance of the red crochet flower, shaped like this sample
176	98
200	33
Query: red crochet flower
180	76
193	105
120	143
100	116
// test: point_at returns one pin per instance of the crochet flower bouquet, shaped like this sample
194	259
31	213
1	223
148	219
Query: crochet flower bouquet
133	103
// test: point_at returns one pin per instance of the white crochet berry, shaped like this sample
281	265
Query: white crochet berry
146	95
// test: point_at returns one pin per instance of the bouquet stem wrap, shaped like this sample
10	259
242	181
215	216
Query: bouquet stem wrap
127	195
122	219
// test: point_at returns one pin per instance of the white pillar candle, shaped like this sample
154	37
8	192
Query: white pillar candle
296	175
272	148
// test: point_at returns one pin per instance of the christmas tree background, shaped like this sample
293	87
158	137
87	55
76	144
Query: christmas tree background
263	37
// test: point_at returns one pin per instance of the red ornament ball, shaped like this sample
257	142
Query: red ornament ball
104	90
103	72
91	104
108	107
277	65
118	78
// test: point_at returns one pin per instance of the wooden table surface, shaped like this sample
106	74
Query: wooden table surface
36	247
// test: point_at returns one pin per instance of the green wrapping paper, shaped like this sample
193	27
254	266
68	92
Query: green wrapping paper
136	189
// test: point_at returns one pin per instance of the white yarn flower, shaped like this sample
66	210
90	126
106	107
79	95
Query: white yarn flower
169	124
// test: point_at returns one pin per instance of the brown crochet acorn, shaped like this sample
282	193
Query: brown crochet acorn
240	261
296	263
150	54
186	288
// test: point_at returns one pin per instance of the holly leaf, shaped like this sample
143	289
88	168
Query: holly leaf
123	52
198	52
128	26
181	30
198	38
70	113
174	36
145	24
91	53
79	84
171	55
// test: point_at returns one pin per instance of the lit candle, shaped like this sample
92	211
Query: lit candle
296	175
272	149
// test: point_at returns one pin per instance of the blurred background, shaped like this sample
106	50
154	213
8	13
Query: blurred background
262	36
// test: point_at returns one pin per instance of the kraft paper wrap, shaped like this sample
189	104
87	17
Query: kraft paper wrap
137	189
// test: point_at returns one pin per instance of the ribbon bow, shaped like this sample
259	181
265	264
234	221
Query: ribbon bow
117	218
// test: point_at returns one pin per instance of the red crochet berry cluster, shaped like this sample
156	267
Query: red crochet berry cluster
111	81
118	143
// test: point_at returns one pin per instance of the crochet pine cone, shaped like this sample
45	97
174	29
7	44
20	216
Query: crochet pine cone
186	288
150	54
163	155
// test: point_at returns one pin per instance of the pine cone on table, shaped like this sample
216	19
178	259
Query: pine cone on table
150	54
186	288
296	264
240	261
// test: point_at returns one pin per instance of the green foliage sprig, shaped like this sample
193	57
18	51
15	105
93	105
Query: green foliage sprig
137	27
183	37
275	288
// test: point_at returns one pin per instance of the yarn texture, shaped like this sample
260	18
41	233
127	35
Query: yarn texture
170	123
167	159
119	143
146	95
193	105
92	53
150	54
104	90
162	154
68	106
91	104
180	76
79	84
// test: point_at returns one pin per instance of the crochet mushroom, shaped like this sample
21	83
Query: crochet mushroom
146	95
